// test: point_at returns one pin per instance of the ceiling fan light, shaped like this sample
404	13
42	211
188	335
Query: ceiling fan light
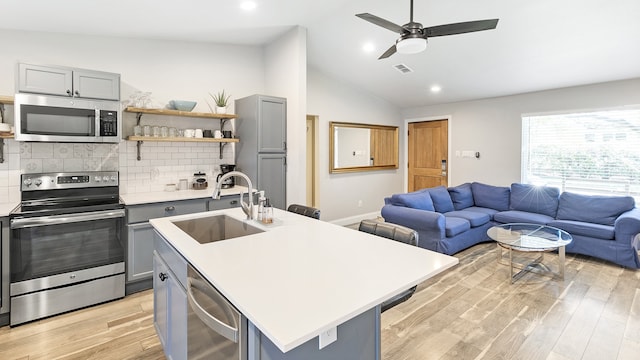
411	45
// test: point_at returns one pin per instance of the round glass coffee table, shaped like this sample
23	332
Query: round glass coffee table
524	237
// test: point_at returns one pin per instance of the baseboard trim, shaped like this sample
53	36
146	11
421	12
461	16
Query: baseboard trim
355	219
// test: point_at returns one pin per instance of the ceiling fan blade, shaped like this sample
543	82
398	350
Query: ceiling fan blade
460	28
389	52
382	22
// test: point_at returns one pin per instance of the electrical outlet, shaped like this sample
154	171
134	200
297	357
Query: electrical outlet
327	337
359	203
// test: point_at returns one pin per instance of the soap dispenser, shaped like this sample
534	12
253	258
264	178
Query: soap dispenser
261	200
267	212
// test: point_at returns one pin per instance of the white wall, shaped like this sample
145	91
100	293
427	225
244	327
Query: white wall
167	69
286	76
332	100
493	126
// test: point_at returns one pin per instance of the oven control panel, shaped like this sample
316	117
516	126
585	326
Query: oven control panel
53	181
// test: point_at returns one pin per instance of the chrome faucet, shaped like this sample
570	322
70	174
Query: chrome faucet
247	208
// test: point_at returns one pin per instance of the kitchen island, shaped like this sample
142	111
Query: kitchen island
302	279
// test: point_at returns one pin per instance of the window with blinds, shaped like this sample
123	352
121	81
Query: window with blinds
595	152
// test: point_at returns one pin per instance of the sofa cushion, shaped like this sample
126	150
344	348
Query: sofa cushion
454	226
489	196
535	199
417	200
441	199
490	212
595	209
605	232
461	196
474	218
516	216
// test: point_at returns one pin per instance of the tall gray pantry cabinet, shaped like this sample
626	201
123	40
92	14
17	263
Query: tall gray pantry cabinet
261	125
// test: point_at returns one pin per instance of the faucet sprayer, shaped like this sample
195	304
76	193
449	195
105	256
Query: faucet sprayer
246	207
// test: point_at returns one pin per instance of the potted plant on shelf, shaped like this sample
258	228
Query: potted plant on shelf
221	99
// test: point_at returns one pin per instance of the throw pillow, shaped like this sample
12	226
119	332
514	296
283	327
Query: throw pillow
593	208
441	199
489	196
461	196
417	200
535	199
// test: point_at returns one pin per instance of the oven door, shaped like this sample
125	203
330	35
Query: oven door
44	246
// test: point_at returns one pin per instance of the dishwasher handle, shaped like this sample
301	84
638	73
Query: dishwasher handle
214	324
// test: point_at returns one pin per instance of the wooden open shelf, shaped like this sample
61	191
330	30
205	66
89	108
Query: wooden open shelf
4	99
179	113
167	139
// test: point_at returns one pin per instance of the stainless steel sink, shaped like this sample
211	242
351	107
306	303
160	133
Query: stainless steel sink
215	228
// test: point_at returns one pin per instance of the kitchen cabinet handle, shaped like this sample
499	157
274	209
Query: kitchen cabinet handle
69	92
77	93
170	208
214	324
162	276
233	202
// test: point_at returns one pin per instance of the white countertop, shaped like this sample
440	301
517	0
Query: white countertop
303	276
5	208
162	196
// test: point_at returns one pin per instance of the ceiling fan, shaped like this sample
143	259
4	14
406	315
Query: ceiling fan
413	37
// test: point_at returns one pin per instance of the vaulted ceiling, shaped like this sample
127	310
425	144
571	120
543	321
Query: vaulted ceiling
537	45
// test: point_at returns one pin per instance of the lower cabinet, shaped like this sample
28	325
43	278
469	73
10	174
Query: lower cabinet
140	248
358	338
170	303
140	232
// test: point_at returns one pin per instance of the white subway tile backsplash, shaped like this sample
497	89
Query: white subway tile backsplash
162	162
63	151
52	165
42	151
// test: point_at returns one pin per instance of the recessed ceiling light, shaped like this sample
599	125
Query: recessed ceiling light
248	5
368	47
435	89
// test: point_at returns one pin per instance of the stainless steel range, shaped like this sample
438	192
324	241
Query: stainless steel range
67	244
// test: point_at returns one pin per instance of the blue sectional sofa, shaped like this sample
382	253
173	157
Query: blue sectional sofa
449	220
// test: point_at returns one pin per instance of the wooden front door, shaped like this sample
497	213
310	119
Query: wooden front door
428	161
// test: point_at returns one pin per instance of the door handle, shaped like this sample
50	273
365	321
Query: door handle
209	320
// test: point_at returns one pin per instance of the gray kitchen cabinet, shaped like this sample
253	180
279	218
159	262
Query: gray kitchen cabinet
140	233
65	81
139	250
170	299
226	202
161	300
261	123
272	174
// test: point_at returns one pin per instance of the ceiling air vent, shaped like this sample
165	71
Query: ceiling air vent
402	68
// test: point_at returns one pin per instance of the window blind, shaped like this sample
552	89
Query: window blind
595	152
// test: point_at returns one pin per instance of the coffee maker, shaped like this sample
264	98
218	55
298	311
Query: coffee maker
230	181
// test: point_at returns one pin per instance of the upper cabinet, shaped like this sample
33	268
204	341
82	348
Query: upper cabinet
262	123
68	82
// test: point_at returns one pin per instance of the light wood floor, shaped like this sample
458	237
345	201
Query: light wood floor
469	312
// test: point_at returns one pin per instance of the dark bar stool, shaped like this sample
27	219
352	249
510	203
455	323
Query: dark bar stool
397	233
305	210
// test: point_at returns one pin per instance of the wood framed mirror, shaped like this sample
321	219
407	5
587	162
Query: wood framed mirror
362	147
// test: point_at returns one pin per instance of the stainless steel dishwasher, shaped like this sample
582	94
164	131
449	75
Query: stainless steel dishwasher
216	329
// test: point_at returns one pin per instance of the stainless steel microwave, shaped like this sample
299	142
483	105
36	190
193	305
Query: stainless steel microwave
63	119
